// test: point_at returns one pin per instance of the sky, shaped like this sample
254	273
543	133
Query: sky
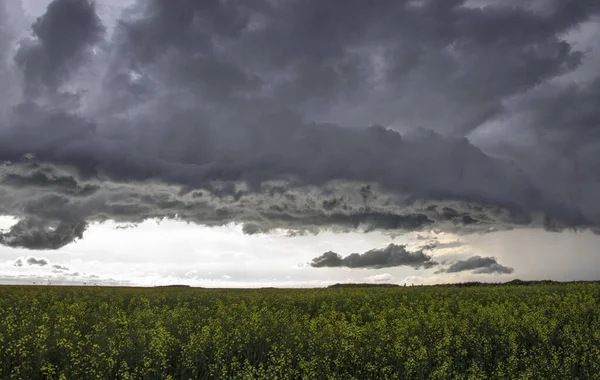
299	143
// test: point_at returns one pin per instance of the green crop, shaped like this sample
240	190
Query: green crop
544	331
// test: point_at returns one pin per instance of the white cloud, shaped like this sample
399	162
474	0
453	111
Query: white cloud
383	277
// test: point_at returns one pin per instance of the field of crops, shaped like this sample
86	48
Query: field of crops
545	331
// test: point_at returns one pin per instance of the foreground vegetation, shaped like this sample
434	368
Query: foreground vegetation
542	331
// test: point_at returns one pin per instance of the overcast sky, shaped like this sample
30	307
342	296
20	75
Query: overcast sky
299	142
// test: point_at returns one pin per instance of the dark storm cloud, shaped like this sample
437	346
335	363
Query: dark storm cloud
391	256
67	185
60	41
41	234
557	106
480	265
257	112
563	120
302	208
315	55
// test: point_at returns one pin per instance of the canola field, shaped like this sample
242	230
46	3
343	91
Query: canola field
542	331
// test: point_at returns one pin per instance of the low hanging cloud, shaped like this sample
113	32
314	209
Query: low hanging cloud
302	115
40	234
37	262
31	261
391	256
478	265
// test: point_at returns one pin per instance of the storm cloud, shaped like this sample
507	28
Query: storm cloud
303	115
58	44
41	234
391	256
478	265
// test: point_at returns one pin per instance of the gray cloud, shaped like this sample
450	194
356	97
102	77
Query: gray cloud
29	183
12	17
478	264
41	234
31	261
37	262
391	256
445	245
67	185
256	113
340	49
5	33
61	39
125	226
60	268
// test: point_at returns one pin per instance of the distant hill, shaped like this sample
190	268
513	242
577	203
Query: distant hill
172	286
364	286
515	282
521	282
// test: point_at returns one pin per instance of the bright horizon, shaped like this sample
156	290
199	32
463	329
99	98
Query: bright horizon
176	253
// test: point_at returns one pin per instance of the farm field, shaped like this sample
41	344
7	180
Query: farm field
539	331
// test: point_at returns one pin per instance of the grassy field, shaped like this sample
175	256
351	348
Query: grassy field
543	331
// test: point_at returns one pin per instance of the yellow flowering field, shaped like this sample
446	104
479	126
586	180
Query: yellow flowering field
540	331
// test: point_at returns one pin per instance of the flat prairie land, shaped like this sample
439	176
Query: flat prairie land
507	331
